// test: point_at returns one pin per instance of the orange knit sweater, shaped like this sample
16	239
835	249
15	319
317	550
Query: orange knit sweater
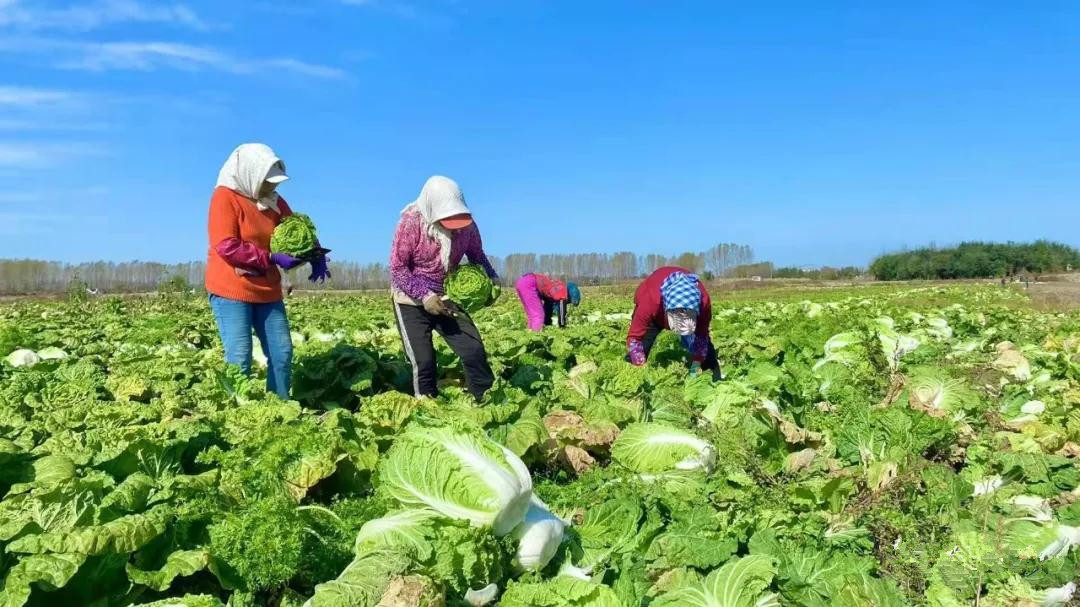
234	216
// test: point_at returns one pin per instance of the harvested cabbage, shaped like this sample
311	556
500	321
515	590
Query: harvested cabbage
461	474
295	236
654	448
470	287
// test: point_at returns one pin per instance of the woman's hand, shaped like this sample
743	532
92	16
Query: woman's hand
319	271
434	305
285	262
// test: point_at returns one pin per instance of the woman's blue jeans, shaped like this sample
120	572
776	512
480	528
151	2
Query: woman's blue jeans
235	319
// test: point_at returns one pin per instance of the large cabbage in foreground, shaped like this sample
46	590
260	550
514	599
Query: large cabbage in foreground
295	236
460	474
470	287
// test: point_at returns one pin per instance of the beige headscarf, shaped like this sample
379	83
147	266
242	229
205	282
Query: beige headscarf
440	198
246	170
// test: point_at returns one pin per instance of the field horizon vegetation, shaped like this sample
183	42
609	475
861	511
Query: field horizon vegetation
879	444
718	265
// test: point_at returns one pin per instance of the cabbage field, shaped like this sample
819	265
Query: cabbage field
869	447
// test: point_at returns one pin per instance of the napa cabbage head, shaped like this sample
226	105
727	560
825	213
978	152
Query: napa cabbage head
460	473
469	286
741	582
931	391
295	236
654	448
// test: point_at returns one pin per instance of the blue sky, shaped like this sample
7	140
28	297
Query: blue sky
818	133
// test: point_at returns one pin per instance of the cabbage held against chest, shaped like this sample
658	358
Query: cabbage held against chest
295	236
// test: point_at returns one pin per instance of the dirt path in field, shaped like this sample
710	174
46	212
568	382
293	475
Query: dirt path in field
1060	294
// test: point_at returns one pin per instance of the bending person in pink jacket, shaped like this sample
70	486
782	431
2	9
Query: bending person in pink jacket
433	235
542	297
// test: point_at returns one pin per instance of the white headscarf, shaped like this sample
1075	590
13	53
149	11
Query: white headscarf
245	171
441	198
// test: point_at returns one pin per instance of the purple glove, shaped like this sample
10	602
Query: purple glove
319	271
637	353
285	262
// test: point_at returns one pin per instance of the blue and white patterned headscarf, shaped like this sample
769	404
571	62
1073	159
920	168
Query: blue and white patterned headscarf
679	291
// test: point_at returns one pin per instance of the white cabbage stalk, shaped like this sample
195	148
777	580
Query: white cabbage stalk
23	358
939	328
1067	539
988	485
538	536
1057	597
52	353
257	353
1033	407
572	571
484	596
1037	508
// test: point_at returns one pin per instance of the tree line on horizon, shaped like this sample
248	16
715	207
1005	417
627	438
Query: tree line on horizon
976	260
31	276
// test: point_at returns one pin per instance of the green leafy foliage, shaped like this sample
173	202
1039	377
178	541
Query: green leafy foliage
867	447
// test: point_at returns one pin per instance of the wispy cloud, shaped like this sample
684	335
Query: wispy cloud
34	155
49	195
86	16
19	223
18	96
397	8
407	10
154	55
24	108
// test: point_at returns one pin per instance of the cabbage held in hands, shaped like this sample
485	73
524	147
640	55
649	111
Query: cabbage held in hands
295	236
470	287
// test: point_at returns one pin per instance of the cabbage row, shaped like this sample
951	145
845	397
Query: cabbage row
865	448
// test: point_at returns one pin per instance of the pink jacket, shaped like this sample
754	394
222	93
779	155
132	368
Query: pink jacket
415	261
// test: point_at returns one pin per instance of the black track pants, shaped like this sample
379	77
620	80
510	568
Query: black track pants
415	325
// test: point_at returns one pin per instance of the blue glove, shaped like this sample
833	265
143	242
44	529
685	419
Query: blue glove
695	369
319	271
284	261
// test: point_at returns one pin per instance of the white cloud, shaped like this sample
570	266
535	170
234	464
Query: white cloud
34	222
88	16
141	56
48	124
153	55
32	155
299	67
19	96
399	9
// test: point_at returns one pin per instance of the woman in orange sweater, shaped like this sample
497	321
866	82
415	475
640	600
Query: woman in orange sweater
242	274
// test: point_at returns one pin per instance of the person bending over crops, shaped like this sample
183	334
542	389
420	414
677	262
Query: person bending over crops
673	298
242	274
544	297
432	236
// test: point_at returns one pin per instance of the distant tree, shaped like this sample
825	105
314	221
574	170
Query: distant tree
975	260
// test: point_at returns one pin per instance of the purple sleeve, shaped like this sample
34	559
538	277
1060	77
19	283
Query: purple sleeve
475	251
241	254
700	349
635	352
402	278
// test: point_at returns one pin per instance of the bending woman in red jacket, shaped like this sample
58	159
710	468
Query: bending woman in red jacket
673	298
